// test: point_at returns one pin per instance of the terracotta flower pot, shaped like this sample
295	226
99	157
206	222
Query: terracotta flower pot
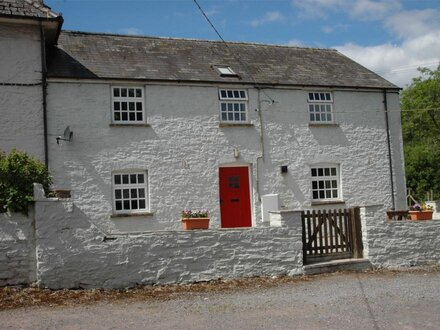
195	223
420	215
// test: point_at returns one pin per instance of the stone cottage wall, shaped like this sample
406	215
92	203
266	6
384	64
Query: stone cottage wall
393	244
17	249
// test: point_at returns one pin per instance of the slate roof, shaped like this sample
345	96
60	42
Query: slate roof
26	8
104	56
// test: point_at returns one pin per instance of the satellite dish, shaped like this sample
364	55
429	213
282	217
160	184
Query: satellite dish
67	135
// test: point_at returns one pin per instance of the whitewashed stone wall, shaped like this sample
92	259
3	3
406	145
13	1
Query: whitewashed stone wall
73	253
21	124
394	244
184	146
17	249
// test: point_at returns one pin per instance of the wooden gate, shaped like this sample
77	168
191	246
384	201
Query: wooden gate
331	234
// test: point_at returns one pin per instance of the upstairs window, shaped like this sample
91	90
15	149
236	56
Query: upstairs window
128	105
325	183
233	105
225	71
130	191
320	107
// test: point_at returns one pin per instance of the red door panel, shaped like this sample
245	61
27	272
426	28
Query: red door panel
235	203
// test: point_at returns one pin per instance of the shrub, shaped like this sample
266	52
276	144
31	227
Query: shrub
18	172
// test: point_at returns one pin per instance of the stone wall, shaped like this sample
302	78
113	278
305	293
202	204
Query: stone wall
17	249
394	244
72	252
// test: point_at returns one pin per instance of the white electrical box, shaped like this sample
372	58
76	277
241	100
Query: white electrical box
269	202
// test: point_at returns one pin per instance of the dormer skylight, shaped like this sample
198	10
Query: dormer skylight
225	71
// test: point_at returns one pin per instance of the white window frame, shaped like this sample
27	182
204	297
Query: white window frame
233	106
323	178
126	101
130	192
320	107
225	71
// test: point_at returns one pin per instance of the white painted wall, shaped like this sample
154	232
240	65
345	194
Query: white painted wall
184	146
17	249
21	124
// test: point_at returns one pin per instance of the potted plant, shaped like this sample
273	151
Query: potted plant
420	212
195	219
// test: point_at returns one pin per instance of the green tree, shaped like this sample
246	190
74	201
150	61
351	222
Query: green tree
421	133
18	172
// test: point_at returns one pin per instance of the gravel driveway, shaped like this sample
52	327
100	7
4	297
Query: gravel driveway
389	300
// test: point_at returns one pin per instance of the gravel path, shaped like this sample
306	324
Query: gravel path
390	300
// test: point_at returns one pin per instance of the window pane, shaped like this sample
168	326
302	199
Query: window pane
130	92
230	94
132	116
124	92
116	92
131	106
116	106
333	170
334	184
142	203
125	179
326	171
124	116
126	193
236	116
314	185
311	97
134	205
328	98
118	205
242	107
230	116
312	117
133	178
223	106
327	184
133	193
329	117
117	179
321	184
320	172
313	171
138	105
242	94
243	117
140	178
224	116
316	96
139	116
124	106
321	194
230	107
138	92
335	194
126	205
118	194
328	194
117	116
223	93
322	96
141	193
236	94
315	195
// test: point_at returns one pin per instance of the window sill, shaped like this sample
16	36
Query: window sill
235	125
323	125
327	202
129	215
130	125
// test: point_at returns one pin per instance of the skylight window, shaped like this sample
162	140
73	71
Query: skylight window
226	71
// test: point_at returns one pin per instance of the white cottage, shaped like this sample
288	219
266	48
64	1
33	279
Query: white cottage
161	125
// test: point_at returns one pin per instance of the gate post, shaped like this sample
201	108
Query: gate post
356	228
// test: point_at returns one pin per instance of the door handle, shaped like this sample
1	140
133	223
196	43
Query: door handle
234	200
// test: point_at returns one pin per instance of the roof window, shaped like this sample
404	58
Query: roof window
225	71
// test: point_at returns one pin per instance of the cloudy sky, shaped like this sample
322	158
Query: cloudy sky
390	37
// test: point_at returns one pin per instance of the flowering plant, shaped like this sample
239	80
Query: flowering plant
421	207
194	214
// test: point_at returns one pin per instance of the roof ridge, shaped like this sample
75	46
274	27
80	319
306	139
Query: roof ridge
40	5
193	39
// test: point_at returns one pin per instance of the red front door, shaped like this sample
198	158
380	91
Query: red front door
235	203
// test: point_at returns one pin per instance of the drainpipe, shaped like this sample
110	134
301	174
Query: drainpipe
385	102
44	90
261	157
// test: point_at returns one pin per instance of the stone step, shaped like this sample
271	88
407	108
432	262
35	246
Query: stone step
337	265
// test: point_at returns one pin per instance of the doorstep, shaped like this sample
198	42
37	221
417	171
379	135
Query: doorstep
337	265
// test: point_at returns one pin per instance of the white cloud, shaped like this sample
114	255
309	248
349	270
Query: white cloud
414	23
317	8
295	42
131	31
327	29
269	17
398	63
373	10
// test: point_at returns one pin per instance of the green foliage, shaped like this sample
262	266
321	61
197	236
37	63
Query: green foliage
421	133
18	172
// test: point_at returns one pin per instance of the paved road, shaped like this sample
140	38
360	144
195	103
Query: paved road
337	301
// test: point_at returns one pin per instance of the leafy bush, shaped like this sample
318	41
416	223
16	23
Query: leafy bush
18	172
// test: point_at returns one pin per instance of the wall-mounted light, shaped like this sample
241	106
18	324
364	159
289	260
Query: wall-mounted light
236	153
